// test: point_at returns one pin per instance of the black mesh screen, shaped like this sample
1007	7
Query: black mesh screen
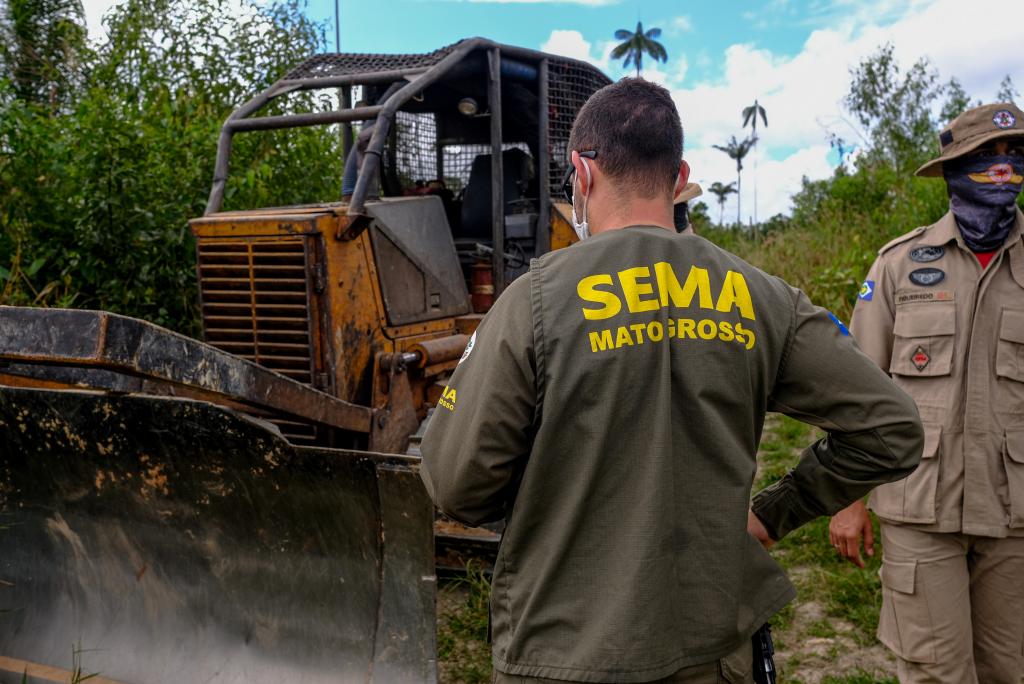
458	161
570	84
411	153
343	64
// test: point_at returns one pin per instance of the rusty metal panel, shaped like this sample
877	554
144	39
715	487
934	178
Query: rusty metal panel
419	272
177	541
96	339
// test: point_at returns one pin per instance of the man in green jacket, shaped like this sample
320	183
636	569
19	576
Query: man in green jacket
609	407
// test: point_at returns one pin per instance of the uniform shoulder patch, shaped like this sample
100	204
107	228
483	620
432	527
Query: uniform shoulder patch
867	291
469	348
839	324
927	253
901	239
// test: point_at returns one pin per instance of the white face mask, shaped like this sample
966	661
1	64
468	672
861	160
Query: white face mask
582	228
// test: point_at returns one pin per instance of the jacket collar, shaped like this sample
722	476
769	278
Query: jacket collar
945	231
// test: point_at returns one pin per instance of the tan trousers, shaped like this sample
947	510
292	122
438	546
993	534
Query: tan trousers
734	668
952	606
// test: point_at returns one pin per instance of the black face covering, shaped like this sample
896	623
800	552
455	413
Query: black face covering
983	191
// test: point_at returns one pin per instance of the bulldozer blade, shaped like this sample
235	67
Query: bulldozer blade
151	539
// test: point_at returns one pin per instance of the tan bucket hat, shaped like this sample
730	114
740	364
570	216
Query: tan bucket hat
974	128
690	191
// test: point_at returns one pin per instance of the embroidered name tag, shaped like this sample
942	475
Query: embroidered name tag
911	296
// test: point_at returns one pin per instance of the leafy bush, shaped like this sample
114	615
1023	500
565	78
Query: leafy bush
95	193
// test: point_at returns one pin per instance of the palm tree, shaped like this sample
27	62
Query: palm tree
737	149
750	117
722	192
634	44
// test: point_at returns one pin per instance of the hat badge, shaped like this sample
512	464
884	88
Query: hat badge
1004	119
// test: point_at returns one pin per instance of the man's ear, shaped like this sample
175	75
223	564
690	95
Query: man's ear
682	179
584	175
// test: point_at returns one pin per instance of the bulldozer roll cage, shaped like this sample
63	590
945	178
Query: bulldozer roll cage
560	87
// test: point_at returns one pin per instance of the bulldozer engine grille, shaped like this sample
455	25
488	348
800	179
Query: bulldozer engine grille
255	304
570	84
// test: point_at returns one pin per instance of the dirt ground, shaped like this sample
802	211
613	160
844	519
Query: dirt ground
836	654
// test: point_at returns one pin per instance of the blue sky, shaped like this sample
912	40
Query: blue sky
423	25
794	56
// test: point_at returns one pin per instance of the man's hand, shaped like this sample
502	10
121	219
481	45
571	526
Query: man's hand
845	531
756	529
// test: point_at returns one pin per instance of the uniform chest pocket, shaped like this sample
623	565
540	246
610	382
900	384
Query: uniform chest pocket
1010	351
924	337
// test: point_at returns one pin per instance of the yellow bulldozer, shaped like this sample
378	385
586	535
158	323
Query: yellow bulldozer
247	508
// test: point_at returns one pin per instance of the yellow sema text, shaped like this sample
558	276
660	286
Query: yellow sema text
447	399
639	290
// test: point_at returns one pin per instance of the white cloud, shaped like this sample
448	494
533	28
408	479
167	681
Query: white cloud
94	11
680	24
568	43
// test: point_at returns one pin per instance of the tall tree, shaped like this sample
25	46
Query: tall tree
1007	93
94	200
637	43
750	115
957	102
722	192
737	151
40	46
895	109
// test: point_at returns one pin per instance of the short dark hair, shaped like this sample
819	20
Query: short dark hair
634	127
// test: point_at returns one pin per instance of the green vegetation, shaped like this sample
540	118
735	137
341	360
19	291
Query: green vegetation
846	592
107	148
750	115
77	674
860	677
737	151
721	193
463	654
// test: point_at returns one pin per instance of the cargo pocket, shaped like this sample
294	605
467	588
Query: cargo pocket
905	622
924	336
738	666
912	499
1013	462
1010	352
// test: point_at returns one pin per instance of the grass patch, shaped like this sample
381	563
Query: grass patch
77	674
845	591
859	678
464	656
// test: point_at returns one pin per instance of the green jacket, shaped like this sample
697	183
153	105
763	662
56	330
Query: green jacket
610	407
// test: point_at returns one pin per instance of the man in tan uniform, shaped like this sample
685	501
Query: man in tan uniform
942	310
609	407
